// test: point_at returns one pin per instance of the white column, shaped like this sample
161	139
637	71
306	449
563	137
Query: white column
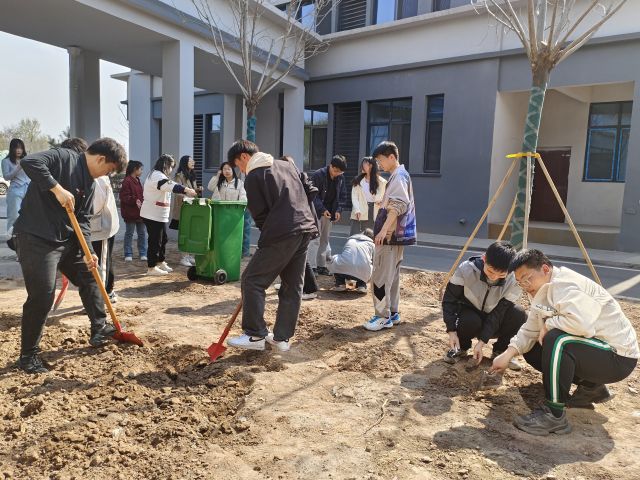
139	115
84	93
177	98
293	124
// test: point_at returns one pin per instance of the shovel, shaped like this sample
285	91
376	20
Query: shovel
120	335
217	349
63	290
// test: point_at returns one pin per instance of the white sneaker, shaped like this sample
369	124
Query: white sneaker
282	345
247	342
361	289
309	296
376	323
156	271
277	286
185	261
143	258
128	259
339	288
165	267
192	259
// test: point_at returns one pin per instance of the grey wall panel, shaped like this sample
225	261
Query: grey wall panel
462	189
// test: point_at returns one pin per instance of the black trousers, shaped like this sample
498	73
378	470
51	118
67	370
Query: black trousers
97	247
310	282
157	241
341	279
564	359
286	258
471	320
39	260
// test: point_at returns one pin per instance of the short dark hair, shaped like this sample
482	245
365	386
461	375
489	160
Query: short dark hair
385	149
132	166
238	148
76	144
339	162
499	255
368	233
533	259
13	146
112	151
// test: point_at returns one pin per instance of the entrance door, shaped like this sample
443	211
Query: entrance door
544	206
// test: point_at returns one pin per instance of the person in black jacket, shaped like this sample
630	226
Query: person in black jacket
278	203
331	199
480	301
60	178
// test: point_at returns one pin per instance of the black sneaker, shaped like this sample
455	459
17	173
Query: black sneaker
31	364
324	271
102	336
542	422
585	397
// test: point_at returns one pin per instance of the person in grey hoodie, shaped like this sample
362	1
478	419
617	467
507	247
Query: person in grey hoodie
354	263
576	332
278	203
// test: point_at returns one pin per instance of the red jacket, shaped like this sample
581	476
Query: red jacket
130	191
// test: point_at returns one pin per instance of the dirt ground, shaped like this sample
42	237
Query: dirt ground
344	403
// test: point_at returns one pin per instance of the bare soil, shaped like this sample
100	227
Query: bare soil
344	403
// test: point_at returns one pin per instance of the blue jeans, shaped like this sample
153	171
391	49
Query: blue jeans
14	200
142	239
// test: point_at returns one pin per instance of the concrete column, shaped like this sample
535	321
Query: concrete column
629	239
84	93
139	115
293	124
177	98
229	122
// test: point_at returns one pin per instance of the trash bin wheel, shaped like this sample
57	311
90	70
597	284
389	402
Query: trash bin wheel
220	277
191	273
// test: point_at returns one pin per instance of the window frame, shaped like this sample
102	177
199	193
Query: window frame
425	170
208	125
616	175
311	127
388	124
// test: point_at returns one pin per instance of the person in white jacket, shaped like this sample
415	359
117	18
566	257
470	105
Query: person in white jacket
367	191
575	332
226	185
354	263
105	223
155	212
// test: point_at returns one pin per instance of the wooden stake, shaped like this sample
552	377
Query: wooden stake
570	221
527	202
508	220
479	224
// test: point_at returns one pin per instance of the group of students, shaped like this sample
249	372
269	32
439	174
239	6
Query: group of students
574	333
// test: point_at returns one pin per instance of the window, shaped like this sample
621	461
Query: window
441	5
390	10
607	142
315	137
433	144
213	141
391	120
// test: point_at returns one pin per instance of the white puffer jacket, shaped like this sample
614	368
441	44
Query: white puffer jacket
578	306
356	259
105	222
157	197
228	190
359	201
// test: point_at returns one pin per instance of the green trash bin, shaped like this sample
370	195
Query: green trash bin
212	232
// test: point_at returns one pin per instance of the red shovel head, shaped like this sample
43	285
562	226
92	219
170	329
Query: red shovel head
127	337
216	350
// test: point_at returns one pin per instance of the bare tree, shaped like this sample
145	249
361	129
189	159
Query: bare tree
266	57
550	31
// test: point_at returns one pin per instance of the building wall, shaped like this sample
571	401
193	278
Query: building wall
462	188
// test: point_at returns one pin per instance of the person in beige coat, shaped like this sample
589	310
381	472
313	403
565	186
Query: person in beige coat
366	195
575	332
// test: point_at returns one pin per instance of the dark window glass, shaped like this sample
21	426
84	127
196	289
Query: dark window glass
391	120
607	141
315	137
441	5
213	141
407	8
433	145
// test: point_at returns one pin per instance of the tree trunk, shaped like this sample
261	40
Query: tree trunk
251	123
530	143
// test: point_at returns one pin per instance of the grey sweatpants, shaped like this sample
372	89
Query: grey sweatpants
286	258
386	279
319	249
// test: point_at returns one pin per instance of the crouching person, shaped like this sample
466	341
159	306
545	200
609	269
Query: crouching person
279	206
354	263
480	302
575	333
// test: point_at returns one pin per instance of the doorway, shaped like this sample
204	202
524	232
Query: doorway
544	206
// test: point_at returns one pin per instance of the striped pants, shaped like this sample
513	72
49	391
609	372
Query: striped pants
564	359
